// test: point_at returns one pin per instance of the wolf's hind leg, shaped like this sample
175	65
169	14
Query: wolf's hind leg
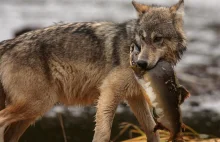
21	115
15	130
8	116
13	114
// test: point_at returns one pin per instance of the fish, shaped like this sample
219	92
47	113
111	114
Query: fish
165	95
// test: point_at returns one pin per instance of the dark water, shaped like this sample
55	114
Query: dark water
199	70
78	128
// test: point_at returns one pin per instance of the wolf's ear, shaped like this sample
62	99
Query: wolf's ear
140	8
178	8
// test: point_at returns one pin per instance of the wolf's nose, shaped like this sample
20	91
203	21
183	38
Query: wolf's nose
142	64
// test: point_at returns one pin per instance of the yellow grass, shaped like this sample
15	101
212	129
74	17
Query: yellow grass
189	135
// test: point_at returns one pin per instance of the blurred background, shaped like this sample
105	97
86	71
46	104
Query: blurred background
199	70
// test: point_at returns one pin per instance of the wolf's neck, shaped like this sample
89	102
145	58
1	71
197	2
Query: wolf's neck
130	28
122	41
117	39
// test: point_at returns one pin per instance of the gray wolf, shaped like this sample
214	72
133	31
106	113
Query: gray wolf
85	63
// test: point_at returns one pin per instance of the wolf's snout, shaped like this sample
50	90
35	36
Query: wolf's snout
142	64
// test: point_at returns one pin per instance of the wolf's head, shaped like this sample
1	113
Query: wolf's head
159	35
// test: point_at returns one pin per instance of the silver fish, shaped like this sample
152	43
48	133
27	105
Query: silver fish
164	94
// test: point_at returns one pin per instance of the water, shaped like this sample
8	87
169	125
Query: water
199	70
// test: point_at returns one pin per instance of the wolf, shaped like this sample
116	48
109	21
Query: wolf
86	63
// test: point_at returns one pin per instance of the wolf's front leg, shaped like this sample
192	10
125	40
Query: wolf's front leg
142	112
107	104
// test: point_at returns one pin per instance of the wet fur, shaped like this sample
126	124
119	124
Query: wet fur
75	64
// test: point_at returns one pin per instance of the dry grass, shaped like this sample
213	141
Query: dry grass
189	135
62	126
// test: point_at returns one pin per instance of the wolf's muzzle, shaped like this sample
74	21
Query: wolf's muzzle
142	64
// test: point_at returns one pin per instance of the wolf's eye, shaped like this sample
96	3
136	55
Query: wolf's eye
131	48
137	48
158	39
